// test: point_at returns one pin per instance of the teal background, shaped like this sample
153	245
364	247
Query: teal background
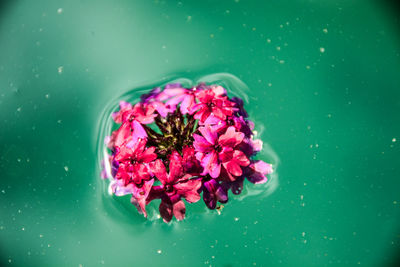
324	79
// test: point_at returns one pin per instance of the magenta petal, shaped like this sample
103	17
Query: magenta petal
208	134
211	165
179	210
233	168
165	211
138	130
201	144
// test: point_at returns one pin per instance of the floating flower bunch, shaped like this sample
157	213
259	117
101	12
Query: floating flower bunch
180	144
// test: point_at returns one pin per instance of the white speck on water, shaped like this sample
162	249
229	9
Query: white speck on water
23	228
269	84
322	49
394	140
47	96
159	251
19	109
60	10
40	235
301	197
303	234
308	67
278	48
164	47
189	18
282	61
236	219
268	40
59	121
66	168
325	30
60	69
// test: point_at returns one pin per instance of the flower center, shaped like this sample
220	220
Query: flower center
168	188
218	148
210	104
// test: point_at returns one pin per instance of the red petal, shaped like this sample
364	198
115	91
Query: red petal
158	169
175	167
233	168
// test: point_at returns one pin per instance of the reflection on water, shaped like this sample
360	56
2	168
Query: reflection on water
121	206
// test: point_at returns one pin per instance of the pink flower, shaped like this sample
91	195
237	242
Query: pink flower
240	124
257	170
141	112
212	103
214	151
175	185
176	95
132	158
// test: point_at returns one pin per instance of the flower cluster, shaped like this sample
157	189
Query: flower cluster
180	144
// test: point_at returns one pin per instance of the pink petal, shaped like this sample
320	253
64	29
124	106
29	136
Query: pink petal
257	144
208	134
139	196
233	168
211	165
218	90
179	210
187	104
175	100
240	158
262	167
138	130
231	138
201	144
188	190
122	134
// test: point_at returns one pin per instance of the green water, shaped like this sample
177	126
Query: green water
324	79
